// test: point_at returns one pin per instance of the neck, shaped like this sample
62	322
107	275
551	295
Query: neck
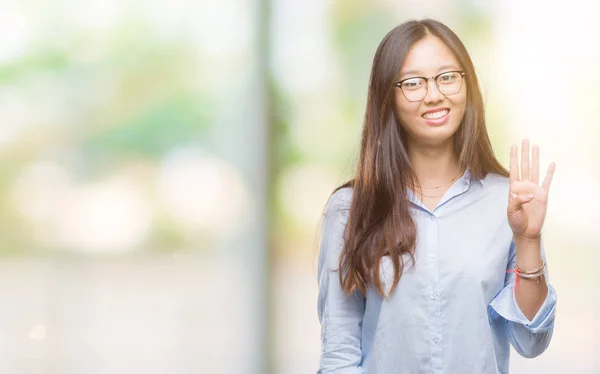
434	165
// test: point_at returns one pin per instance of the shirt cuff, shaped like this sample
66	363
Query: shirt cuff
505	305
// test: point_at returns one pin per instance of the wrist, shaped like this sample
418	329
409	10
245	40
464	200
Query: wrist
529	254
524	242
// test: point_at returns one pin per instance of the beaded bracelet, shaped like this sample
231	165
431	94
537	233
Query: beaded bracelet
537	273
541	268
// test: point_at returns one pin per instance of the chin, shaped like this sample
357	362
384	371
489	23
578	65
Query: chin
436	138
431	136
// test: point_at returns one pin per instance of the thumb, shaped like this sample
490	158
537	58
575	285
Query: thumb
515	201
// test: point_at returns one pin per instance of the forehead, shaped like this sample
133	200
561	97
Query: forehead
427	56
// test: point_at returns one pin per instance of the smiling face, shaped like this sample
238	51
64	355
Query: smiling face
434	120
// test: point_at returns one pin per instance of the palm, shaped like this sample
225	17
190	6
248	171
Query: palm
528	200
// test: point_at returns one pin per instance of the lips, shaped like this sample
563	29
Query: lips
435	113
436	117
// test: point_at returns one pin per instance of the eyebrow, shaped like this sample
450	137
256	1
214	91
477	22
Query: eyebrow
418	73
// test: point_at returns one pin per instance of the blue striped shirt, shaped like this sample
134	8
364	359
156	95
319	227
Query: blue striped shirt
453	312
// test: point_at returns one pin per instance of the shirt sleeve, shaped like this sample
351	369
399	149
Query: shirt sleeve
530	338
340	315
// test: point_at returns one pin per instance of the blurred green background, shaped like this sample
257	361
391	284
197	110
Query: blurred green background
164	166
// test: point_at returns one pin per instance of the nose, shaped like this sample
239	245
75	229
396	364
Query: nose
433	93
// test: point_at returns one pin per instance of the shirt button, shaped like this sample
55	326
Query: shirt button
434	296
432	217
431	256
436	340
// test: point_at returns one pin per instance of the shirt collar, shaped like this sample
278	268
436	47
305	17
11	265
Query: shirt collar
468	177
465	180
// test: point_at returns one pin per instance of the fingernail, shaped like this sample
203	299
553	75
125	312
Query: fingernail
528	197
513	195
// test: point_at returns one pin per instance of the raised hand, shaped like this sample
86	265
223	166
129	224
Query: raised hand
527	200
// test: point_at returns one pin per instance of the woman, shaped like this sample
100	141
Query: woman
431	257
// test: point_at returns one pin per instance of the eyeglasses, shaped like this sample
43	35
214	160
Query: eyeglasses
415	88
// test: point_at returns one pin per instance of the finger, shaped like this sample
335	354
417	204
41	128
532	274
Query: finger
525	160
523	188
516	201
549	176
535	164
514	164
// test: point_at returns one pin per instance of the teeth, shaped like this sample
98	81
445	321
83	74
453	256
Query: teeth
436	115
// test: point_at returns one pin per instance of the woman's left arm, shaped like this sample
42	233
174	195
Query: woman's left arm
528	304
530	335
531	293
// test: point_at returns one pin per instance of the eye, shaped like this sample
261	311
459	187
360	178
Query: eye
446	78
412	84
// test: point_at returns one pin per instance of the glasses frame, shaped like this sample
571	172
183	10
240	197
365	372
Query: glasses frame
462	76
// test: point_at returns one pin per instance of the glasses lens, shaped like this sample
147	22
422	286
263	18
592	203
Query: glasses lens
414	89
449	83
